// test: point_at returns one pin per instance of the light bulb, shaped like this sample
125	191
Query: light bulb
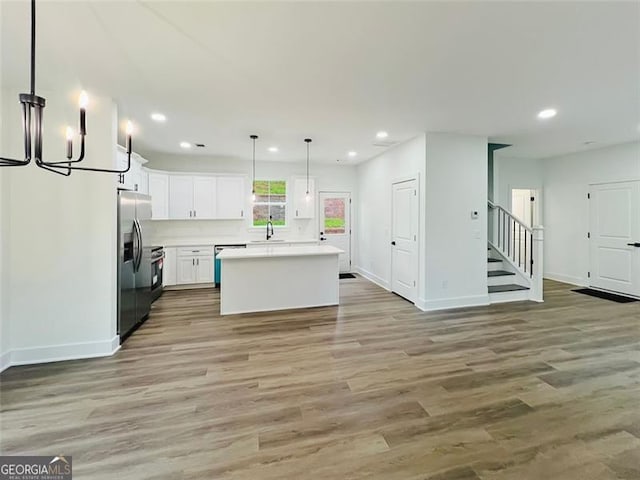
253	196
69	133
129	128
84	100
307	197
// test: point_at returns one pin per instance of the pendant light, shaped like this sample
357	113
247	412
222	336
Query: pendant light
33	106
253	183
308	196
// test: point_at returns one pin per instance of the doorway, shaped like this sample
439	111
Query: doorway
404	239
335	224
614	237
523	205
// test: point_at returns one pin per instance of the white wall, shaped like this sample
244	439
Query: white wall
510	173
327	178
375	177
59	238
566	208
456	244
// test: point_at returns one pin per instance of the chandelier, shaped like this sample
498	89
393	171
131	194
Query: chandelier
32	110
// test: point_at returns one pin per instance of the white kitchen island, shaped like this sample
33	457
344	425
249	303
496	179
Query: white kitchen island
278	278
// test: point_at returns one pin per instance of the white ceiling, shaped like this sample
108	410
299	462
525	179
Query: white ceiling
340	71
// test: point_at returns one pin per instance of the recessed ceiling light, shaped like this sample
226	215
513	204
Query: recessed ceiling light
547	113
185	144
382	134
352	153
158	117
273	149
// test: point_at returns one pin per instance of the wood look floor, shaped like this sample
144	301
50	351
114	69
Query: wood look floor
371	389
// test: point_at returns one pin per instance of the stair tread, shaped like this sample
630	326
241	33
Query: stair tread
491	260
499	273
506	288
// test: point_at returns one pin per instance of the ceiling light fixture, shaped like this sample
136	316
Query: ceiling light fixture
352	153
382	134
253	183
33	106
158	117
307	196
273	149
547	113
185	144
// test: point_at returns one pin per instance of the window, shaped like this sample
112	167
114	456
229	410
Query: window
271	202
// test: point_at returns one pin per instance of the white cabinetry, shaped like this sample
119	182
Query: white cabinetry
169	267
192	197
194	265
133	178
231	197
204	197
303	206
180	196
159	191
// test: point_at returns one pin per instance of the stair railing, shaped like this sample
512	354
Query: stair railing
519	243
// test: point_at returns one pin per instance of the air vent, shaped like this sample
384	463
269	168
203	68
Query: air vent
384	143
200	145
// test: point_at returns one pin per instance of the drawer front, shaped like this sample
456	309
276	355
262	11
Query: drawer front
196	251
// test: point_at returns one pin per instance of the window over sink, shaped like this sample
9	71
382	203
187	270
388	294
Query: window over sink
271	201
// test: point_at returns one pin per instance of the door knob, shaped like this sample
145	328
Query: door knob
635	244
393	243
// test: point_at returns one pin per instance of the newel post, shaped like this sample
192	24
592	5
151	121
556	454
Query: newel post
537	288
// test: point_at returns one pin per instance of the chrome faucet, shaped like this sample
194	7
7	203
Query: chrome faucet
269	228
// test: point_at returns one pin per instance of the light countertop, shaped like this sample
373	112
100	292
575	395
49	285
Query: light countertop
193	242
273	252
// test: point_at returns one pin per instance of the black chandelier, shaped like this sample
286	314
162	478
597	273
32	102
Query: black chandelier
32	108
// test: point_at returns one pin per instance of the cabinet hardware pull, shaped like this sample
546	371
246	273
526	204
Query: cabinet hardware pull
242	213
193	261
198	261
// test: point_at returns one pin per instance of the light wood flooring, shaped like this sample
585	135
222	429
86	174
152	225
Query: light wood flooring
372	389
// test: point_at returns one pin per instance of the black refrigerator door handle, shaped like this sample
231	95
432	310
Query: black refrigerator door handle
634	244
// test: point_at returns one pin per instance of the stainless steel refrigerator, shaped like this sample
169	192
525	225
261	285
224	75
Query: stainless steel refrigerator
134	261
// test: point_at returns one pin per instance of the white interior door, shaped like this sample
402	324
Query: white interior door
404	239
522	205
615	237
335	224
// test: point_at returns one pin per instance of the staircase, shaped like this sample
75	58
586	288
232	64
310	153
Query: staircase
514	258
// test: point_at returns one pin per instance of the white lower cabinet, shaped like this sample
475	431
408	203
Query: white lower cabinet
169	267
204	269
195	265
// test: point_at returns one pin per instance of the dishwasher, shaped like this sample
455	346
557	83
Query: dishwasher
217	277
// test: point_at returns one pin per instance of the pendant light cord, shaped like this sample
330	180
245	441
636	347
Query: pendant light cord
33	47
308	140
253	184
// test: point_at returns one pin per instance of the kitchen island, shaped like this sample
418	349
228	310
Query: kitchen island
277	278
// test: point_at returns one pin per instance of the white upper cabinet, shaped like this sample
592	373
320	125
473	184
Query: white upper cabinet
231	197
192	197
180	197
304	207
204	197
159	191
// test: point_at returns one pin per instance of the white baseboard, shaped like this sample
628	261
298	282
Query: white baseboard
558	277
456	302
373	278
59	353
5	361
